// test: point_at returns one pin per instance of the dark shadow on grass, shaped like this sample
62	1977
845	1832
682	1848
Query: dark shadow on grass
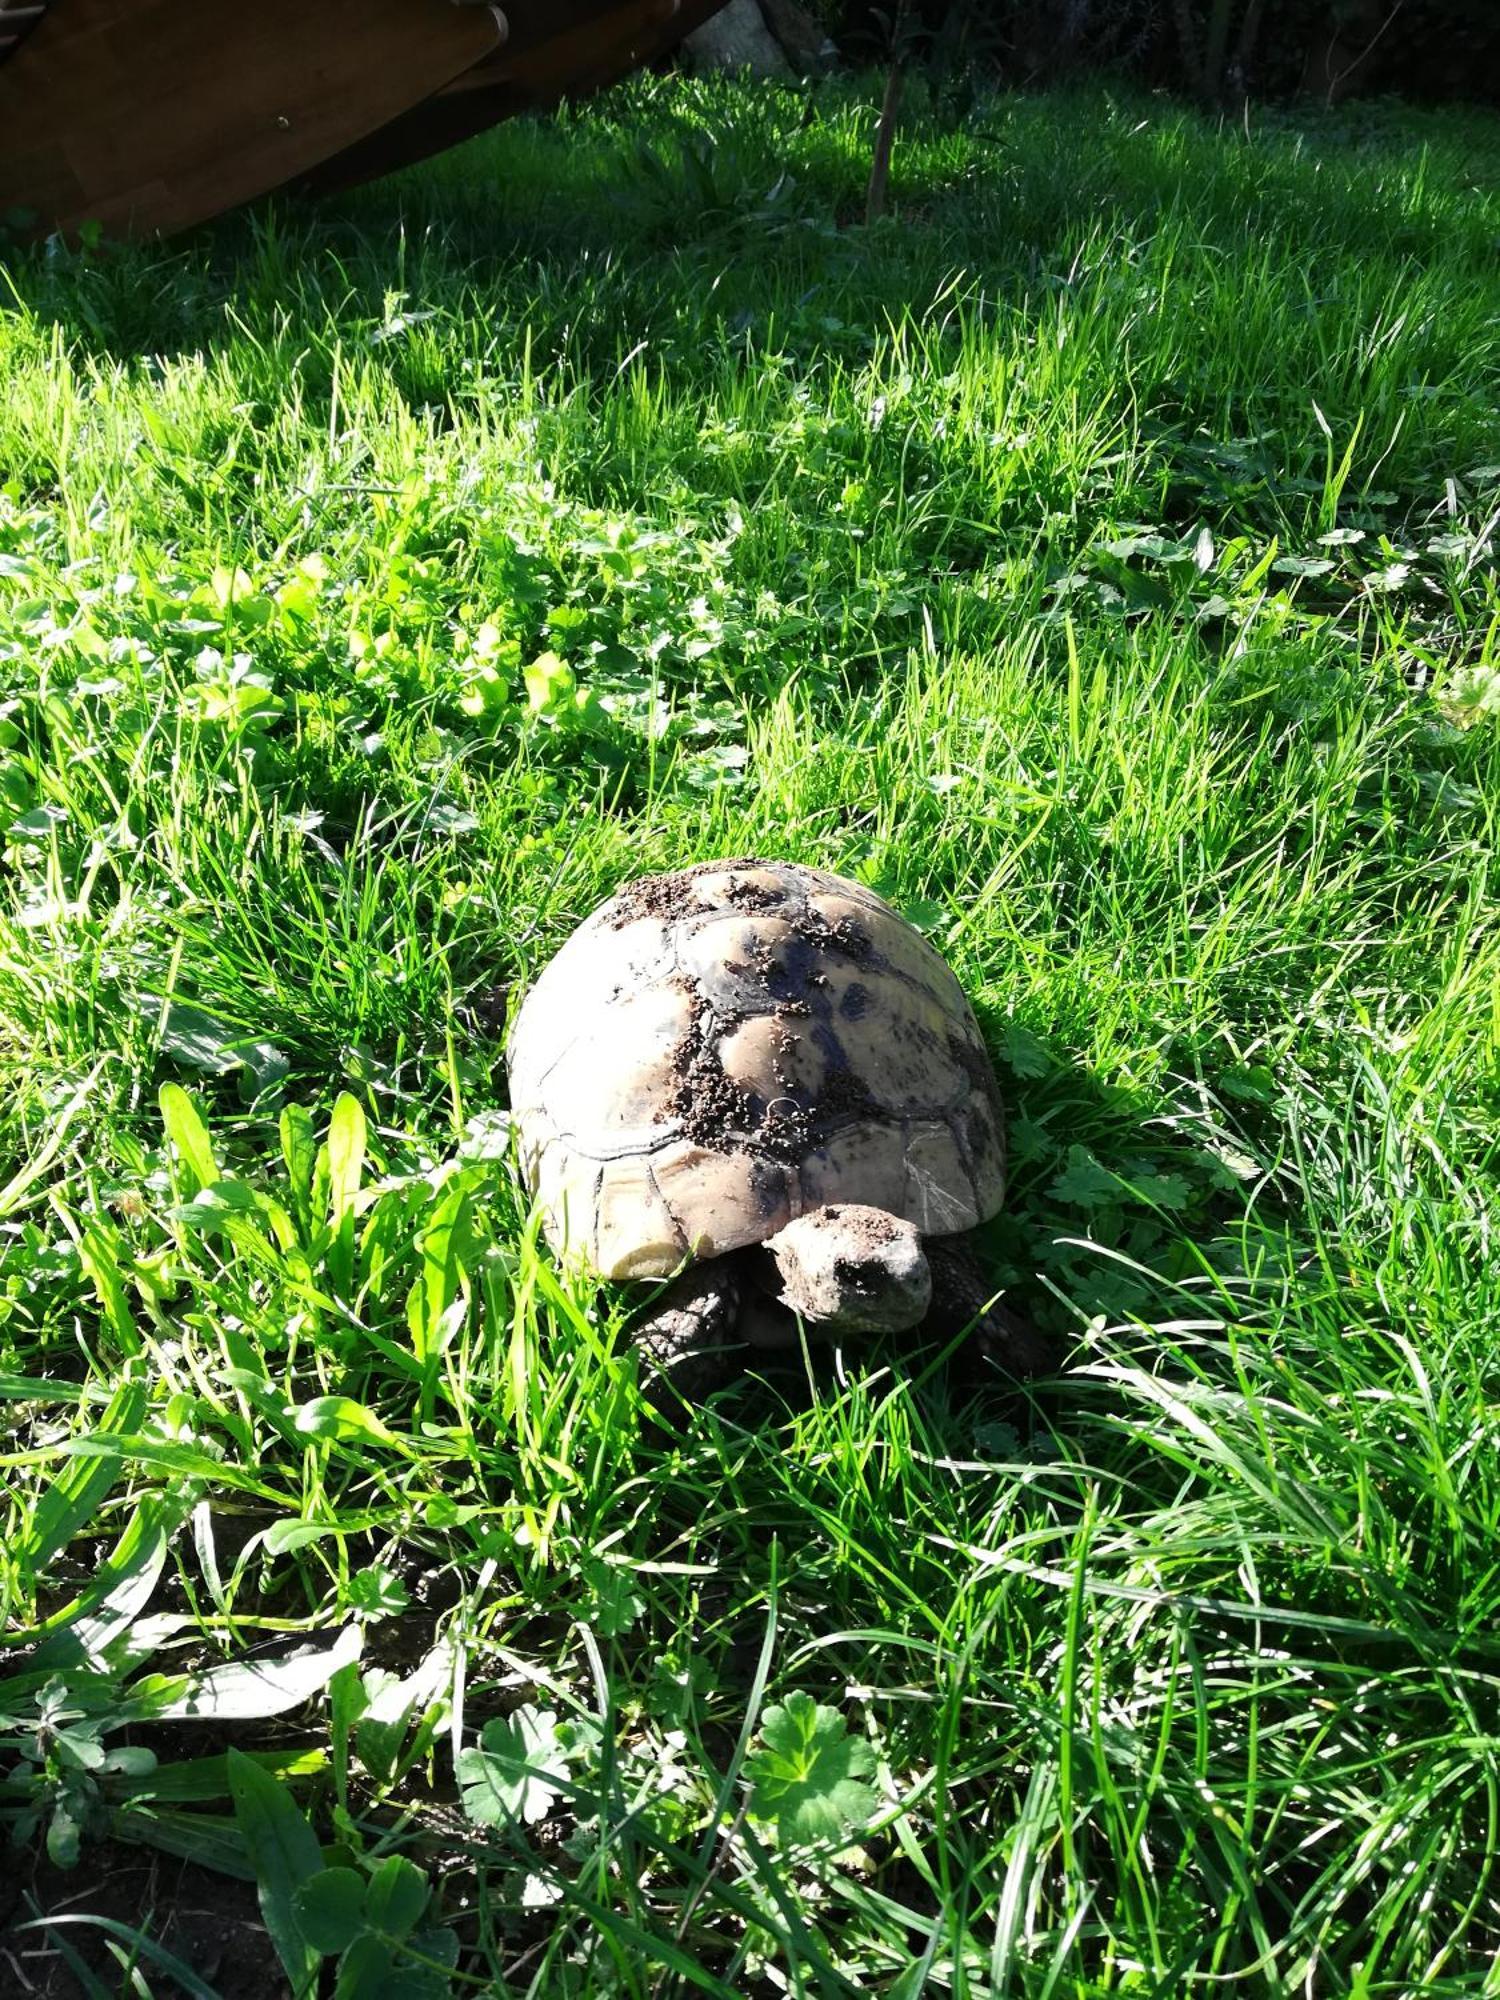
1114	1214
686	232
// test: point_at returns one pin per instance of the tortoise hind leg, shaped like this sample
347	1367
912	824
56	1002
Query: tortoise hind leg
961	1300
688	1336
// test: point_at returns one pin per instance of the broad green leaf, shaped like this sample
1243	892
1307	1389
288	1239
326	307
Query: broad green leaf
617	1603
64	1836
242	1690
75	1495
550	682
347	1702
130	1760
282	1537
199	1780
183	1460
120	1588
39	823
240	1212
284	1852
189	1136
383	1724
331	1909
1252	1084
299	1149
398	1894
1169	1191
1302	565
445	1245
1084	1183
809	1775
367	1972
37	1389
426	1972
197	1038
392	1707
1022	1053
429	1337
223	1200
377	1592
339	1417
346	1157
211	1840
99	1253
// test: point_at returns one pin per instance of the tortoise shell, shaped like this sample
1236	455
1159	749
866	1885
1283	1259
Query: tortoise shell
716	1051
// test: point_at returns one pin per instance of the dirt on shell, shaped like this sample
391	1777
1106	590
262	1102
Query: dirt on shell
668	897
712	1109
708	1103
850	939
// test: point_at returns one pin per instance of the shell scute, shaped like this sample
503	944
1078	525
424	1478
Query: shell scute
636	1234
773	1064
940	1195
745	887
869	1156
713	1196
624	1106
747	965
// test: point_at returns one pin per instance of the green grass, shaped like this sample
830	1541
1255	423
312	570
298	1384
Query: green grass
1096	558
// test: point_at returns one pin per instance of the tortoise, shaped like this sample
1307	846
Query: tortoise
758	1080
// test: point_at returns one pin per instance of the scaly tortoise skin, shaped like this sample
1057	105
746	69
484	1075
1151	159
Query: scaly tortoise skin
721	1052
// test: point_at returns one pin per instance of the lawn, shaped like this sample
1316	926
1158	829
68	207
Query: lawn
1094	557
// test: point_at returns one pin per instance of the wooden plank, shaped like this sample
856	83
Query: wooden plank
529	72
155	114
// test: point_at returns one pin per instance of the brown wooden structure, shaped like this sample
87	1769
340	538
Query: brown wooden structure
151	115
554	53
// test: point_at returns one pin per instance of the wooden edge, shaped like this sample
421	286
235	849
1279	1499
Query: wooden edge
152	115
521	76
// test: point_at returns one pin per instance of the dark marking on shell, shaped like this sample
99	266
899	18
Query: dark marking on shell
843	1099
787	973
768	1189
969	1057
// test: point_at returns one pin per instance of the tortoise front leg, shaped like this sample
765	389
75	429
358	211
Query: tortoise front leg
688	1335
961	1301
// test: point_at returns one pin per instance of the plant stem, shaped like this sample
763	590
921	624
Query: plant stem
880	165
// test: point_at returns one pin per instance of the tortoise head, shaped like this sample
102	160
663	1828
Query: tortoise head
850	1268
